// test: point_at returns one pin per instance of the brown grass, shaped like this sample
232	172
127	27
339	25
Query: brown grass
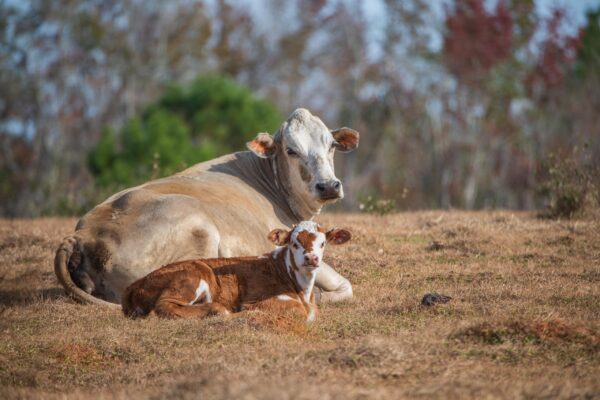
523	321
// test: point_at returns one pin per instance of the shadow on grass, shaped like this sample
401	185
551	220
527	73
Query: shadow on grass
11	298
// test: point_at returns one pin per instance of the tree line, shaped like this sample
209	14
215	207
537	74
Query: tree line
460	107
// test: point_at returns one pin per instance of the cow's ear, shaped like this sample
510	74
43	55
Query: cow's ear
346	139
280	237
263	145
338	236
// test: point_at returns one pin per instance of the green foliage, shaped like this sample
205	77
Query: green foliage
374	205
588	53
210	117
570	183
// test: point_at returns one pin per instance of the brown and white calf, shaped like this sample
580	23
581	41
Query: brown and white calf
280	282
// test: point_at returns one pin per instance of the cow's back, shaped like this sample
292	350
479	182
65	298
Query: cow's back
206	211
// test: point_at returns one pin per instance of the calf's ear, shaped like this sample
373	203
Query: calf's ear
338	236
279	236
263	145
346	139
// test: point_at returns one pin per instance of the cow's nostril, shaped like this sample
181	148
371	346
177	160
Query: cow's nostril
320	187
336	185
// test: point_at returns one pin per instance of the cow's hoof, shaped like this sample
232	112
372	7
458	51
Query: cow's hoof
431	298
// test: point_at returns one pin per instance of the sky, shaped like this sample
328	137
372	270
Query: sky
575	9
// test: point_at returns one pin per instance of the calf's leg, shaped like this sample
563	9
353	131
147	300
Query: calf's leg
278	307
189	296
171	308
284	315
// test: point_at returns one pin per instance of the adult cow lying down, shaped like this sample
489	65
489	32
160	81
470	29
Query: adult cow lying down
218	208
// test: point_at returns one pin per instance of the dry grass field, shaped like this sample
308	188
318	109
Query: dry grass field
523	321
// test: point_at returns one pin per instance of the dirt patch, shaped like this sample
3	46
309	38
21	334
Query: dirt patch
536	332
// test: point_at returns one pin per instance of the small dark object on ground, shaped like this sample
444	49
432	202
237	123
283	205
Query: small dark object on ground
435	246
431	298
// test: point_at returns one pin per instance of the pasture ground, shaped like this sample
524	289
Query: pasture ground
523	321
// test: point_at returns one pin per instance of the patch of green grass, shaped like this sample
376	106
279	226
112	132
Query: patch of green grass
412	239
449	260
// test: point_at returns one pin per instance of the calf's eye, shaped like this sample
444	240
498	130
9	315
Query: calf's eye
291	152
323	244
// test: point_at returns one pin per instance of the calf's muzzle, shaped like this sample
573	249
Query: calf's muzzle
311	259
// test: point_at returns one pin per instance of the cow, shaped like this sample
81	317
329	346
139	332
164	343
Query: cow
280	282
217	208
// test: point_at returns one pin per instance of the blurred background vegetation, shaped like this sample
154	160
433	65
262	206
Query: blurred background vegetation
208	117
460	103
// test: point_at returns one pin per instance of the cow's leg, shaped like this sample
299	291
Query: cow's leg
171	308
334	286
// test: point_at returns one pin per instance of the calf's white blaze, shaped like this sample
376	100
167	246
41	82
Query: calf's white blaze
318	243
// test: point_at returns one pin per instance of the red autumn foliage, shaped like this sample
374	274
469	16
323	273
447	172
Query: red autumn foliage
558	52
476	40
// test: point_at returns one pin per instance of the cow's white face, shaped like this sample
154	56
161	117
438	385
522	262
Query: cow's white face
306	244
304	149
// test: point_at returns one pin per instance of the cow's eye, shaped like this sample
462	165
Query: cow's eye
332	148
322	244
291	152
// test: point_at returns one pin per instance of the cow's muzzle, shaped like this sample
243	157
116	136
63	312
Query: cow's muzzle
329	190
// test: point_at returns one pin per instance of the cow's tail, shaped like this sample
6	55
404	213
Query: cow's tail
64	255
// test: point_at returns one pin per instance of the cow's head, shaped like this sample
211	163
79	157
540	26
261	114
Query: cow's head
306	243
303	150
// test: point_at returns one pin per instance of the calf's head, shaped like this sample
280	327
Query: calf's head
306	243
303	150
